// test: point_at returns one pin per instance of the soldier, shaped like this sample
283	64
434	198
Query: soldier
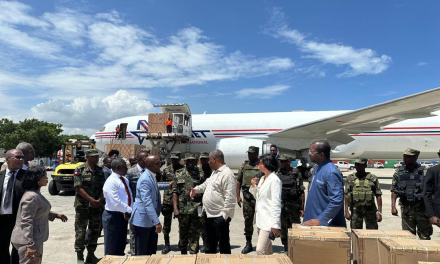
248	171
408	186
292	196
88	182
205	174
167	204
186	209
361	188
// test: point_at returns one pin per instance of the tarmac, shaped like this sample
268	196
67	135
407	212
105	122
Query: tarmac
60	246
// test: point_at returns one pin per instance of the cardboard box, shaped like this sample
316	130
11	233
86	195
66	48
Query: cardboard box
322	228
366	243
267	259
407	251
319	246
159	259
219	259
109	259
424	262
137	260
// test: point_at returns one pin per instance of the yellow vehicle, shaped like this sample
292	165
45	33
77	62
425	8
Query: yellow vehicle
71	155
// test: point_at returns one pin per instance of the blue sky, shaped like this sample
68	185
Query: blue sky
84	63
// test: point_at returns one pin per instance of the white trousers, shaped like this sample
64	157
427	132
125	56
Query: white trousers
264	244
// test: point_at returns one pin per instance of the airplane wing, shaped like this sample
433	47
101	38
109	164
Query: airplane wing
338	128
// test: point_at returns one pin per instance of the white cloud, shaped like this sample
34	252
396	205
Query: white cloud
422	63
262	93
387	93
359	61
90	113
82	52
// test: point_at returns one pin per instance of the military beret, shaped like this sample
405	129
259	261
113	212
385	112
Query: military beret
175	155
92	152
284	157
204	155
411	152
361	160
253	149
190	156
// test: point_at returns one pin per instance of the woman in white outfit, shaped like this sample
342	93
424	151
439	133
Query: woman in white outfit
267	193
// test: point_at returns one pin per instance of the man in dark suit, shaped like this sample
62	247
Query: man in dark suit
10	194
431	194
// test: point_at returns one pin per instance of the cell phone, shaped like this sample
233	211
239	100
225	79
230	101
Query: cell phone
272	236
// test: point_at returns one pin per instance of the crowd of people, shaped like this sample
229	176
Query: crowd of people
118	197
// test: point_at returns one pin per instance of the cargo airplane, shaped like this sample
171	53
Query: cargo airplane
380	131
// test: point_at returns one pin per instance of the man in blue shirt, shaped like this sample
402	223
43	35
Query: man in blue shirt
325	202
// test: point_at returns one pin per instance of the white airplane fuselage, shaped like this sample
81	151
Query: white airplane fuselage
209	129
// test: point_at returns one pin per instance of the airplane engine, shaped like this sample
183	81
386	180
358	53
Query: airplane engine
350	150
235	149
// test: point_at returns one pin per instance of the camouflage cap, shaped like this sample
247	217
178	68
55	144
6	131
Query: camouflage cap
285	157
92	152
411	152
253	149
190	156
361	160
204	155
175	155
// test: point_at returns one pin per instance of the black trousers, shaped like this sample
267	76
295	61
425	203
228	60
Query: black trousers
7	223
217	233
115	233
145	240
169	129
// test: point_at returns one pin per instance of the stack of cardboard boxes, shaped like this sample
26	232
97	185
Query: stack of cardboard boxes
197	259
331	245
125	150
156	122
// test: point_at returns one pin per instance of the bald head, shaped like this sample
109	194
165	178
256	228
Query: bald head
14	159
153	163
28	151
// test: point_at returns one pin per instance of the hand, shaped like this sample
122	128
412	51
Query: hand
192	193
96	203
32	254
347	216
158	228
239	201
275	231
434	220
254	181
62	217
394	211
301	212
171	184
312	222
379	218
176	212
127	216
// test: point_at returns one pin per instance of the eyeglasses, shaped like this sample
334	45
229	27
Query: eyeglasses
17	157
313	151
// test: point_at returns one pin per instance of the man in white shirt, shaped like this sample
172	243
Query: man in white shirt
219	202
118	208
10	194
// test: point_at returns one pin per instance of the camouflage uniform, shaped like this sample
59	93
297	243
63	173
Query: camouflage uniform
246	173
414	217
167	203
361	193
189	222
92	183
291	203
204	174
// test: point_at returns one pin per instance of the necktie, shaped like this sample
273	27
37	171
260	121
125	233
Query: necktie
9	190
126	190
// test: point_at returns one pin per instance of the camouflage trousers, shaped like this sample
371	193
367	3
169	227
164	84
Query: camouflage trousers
202	227
364	213
132	240
248	212
414	219
189	231
167	212
87	220
290	214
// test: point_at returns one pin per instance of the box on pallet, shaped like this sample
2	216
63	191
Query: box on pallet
156	122
407	251
366	243
319	246
321	228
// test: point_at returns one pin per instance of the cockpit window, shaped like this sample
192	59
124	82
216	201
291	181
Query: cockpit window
102	129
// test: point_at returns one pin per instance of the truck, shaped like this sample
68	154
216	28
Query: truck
343	165
72	155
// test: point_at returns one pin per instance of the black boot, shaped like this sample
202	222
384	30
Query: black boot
91	258
167	248
80	257
202	248
248	247
183	251
285	248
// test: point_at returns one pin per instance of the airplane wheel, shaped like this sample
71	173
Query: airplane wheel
53	190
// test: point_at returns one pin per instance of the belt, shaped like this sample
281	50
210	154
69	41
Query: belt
115	213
